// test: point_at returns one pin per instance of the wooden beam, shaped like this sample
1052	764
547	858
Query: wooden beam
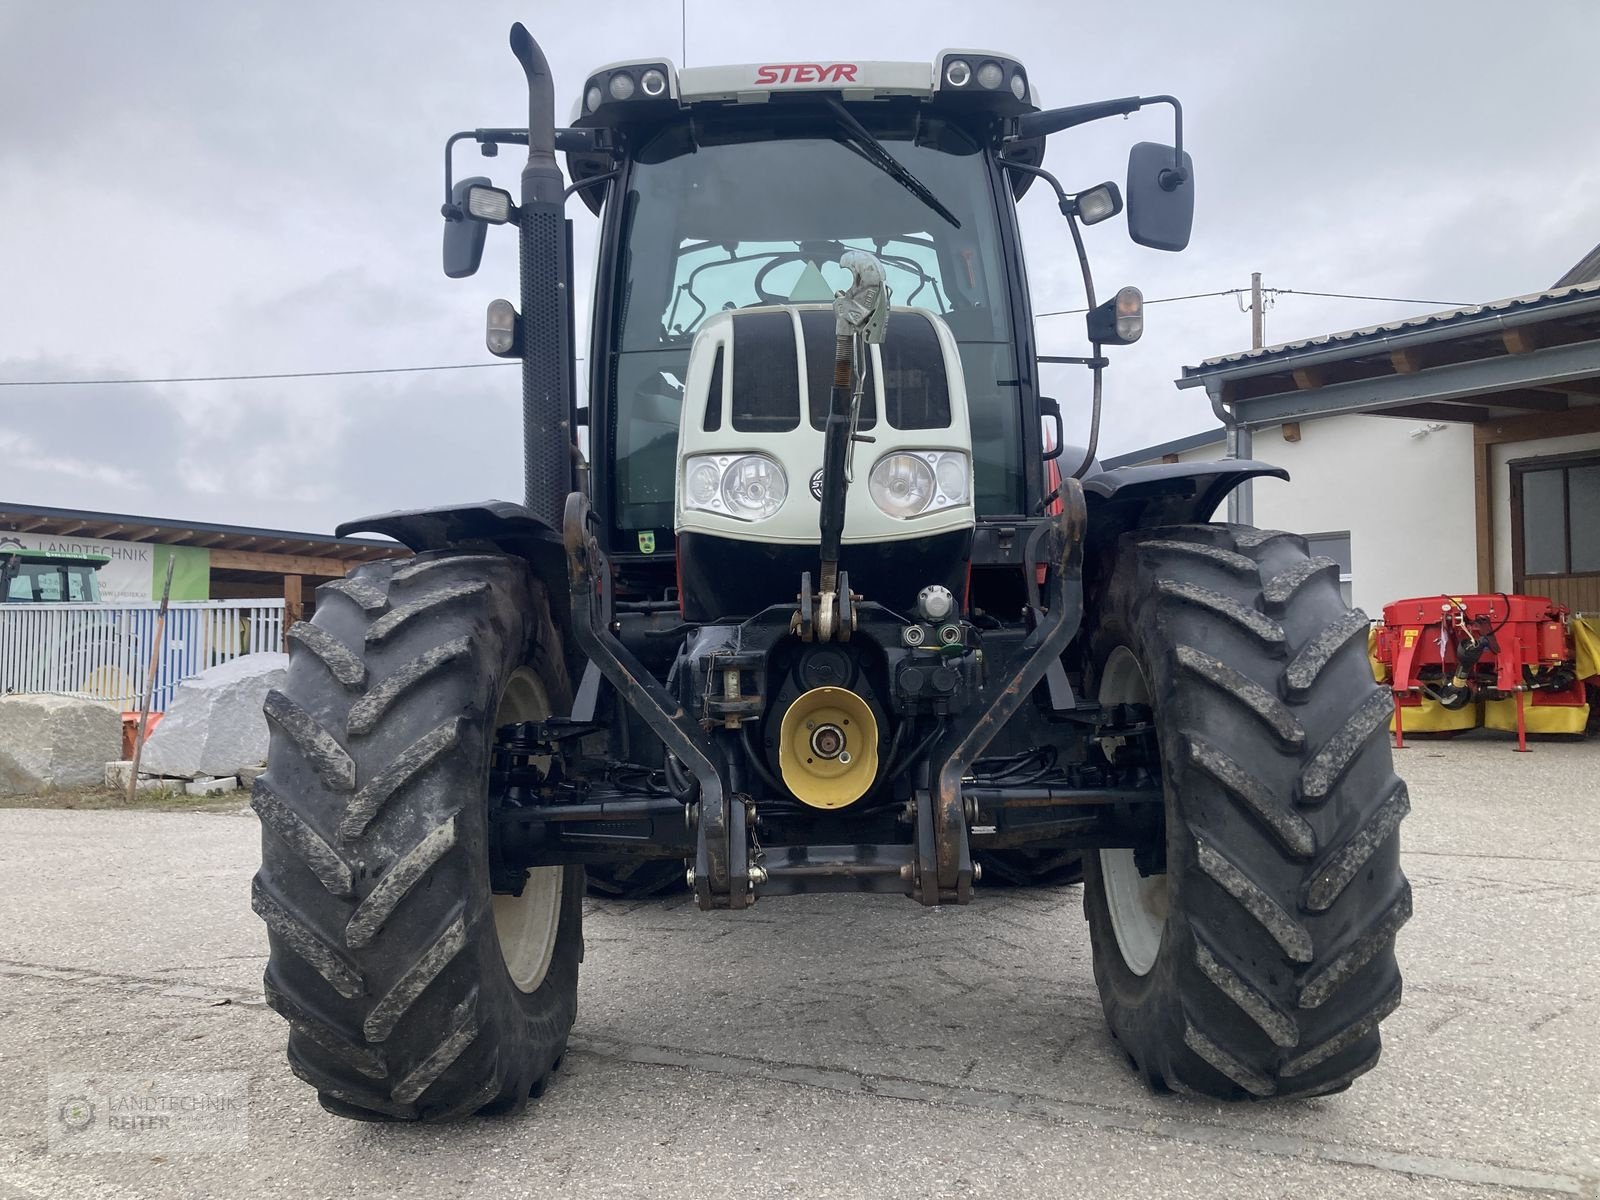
97	531
294	607
1306	378
1483	512
1523	340
1539	425
1435	410
276	564
210	539
1408	362
31	526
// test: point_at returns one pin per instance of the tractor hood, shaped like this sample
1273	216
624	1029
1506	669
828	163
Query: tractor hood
750	444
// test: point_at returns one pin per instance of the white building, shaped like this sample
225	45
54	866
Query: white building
1450	453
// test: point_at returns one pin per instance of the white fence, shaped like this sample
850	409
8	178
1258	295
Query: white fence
103	650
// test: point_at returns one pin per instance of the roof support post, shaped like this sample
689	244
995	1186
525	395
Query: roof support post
1242	500
1241	444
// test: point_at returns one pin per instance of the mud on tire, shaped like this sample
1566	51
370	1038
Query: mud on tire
1283	888
374	883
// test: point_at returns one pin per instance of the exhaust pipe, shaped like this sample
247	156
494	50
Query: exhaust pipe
545	238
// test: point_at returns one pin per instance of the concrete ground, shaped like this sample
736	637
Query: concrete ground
836	1046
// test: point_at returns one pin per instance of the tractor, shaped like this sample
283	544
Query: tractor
810	594
48	576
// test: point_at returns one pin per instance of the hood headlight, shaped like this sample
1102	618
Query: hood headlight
747	487
909	483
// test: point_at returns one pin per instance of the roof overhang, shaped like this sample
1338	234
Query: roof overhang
1527	354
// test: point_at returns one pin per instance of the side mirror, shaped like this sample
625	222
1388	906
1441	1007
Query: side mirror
463	233
1160	196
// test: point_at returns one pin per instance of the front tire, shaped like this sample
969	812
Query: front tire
1260	961
411	991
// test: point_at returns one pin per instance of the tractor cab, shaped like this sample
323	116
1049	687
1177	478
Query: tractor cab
49	576
730	189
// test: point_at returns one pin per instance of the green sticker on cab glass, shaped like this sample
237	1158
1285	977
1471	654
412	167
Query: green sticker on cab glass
647	541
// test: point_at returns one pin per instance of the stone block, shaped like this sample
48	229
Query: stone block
214	725
118	773
55	742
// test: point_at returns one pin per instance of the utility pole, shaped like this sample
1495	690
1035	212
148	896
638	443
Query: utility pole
1257	317
1241	501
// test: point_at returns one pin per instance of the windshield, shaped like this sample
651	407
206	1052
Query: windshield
759	212
48	583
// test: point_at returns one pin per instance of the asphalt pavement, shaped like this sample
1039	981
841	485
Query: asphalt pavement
834	1046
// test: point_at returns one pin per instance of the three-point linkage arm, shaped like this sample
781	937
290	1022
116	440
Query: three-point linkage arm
861	314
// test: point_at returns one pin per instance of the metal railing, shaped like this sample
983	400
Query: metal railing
103	650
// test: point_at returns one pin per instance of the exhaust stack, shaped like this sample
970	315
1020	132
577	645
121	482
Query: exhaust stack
545	238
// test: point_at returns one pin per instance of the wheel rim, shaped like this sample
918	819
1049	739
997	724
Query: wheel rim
526	925
1137	903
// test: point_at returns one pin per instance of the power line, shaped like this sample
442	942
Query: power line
1064	312
1384	299
241	378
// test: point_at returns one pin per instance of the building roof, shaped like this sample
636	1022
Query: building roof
1194	441
1448	323
66	522
1585	270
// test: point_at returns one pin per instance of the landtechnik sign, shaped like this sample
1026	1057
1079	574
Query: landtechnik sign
136	570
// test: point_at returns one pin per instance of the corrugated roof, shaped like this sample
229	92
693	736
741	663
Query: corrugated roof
1585	270
1556	298
1208	437
70	522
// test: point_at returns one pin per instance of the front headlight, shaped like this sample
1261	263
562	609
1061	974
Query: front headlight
747	487
909	483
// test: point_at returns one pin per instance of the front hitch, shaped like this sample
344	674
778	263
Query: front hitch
721	873
941	869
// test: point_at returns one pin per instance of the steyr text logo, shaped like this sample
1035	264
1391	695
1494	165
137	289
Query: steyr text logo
807	73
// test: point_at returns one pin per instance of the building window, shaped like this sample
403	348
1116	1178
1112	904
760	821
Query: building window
1553	505
1337	547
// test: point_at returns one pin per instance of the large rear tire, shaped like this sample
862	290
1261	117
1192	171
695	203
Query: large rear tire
411	991
1261	962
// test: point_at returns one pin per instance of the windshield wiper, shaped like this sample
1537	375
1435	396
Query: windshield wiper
875	152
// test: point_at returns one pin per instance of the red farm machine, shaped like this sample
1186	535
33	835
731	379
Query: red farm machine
1444	656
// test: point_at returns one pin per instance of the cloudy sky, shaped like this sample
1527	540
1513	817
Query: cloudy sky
203	188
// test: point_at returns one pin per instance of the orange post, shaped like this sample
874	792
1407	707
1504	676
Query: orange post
1399	733
1522	724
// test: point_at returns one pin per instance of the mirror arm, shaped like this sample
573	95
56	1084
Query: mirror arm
1174	177
449	208
587	180
1054	120
567	140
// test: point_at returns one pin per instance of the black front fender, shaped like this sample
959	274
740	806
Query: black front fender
1181	493
1184	491
484	525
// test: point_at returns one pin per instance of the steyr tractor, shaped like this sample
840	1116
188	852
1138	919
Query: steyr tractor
810	595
